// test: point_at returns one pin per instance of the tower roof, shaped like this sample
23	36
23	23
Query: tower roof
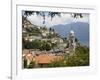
72	32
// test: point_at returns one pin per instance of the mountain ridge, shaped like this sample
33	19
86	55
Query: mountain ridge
81	30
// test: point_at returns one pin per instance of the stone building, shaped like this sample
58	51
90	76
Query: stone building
71	42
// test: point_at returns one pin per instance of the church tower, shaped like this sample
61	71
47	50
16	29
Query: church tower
71	42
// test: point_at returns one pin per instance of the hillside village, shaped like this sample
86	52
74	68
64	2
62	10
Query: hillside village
42	46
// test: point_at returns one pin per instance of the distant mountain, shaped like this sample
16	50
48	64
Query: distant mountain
81	30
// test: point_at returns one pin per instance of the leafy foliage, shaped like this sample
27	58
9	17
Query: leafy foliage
57	63
80	58
31	65
49	14
77	15
25	63
41	13
37	44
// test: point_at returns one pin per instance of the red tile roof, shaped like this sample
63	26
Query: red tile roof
46	58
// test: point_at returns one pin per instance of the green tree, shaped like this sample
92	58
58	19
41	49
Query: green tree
45	46
25	63
31	65
81	57
57	63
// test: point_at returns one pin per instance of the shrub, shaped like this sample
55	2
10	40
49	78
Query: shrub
31	65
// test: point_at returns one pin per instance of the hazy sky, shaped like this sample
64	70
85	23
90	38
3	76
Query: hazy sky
64	19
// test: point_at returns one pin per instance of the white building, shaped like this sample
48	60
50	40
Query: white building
57	40
32	38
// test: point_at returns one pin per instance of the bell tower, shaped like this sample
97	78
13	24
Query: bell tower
71	42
